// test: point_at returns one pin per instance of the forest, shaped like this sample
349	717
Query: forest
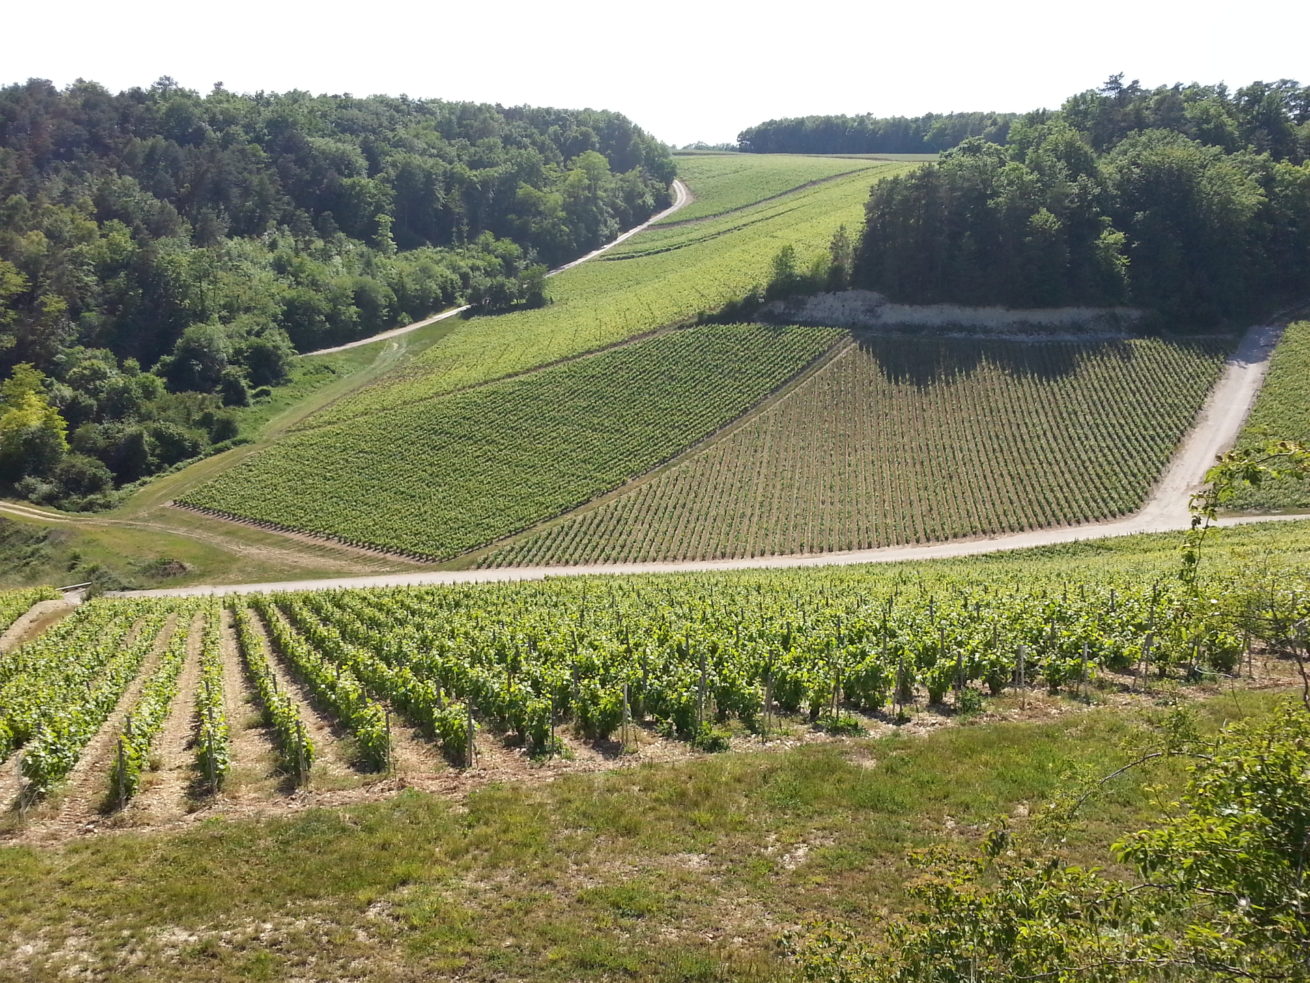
870	134
163	254
1190	202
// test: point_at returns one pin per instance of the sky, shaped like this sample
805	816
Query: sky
682	71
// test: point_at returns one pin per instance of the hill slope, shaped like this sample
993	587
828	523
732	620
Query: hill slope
904	441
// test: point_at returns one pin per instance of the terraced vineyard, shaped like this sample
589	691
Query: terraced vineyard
15	603
533	668
1281	412
723	183
660	278
901	441
455	472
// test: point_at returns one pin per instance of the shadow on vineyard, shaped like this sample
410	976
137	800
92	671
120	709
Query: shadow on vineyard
925	362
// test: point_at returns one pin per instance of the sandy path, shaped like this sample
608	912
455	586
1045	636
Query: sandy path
681	198
1166	509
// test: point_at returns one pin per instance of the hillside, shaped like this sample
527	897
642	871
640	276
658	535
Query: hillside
164	255
869	710
905	441
456	471
1282	413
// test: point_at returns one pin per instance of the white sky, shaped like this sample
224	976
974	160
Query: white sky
681	71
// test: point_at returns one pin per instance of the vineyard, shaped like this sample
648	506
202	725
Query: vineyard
15	603
459	471
612	299
909	441
537	669
1281	412
728	182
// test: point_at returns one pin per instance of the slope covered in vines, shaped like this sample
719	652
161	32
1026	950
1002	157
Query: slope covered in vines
459	471
901	441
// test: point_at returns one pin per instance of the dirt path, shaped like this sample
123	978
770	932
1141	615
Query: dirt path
254	754
681	198
165	793
331	769
77	807
1215	430
39	617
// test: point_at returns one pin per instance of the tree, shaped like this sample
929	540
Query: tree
33	436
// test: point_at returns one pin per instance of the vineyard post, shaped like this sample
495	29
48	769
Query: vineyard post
1082	671
122	772
469	753
1023	681
768	699
391	764
700	695
625	736
302	766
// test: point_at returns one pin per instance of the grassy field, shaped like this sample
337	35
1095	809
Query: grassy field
726	183
1281	412
900	441
458	471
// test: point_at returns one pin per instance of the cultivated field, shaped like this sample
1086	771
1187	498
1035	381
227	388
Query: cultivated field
1281	412
295	793
725	183
15	603
129	697
644	285
903	441
455	472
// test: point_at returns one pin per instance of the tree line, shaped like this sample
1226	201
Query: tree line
1190	202
869	134
164	254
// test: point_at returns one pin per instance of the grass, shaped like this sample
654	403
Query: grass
906	441
1282	412
455	472
686	871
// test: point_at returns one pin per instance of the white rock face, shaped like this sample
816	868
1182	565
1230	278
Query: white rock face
866	309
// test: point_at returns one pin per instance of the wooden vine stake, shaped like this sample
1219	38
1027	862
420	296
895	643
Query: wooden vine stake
1023	678
470	754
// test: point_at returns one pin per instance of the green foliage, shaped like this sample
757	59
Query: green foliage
58	690
665	276
1038	435
1110	201
870	135
1218	893
691	654
213	744
465	469
15	603
723	184
1281	412
147	715
200	238
336	688
294	748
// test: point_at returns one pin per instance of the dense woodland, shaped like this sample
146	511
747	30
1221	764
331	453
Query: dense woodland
164	254
870	134
1188	201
